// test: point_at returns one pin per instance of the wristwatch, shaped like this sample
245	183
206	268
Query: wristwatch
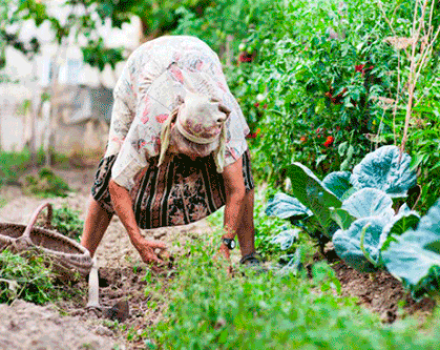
228	242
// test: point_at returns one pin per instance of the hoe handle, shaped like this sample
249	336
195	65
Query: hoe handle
94	287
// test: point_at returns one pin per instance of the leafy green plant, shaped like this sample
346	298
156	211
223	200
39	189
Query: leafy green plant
341	198
67	222
414	256
24	277
46	184
369	219
343	205
208	309
373	234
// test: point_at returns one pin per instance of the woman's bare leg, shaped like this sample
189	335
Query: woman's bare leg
95	225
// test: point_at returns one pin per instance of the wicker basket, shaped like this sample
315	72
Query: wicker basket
65	255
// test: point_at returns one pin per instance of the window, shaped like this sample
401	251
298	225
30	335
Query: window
69	72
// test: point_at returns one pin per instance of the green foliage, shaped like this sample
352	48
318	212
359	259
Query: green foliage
312	193
14	164
46	184
67	222
210	310
364	212
24	277
414	256
320	94
97	55
84	19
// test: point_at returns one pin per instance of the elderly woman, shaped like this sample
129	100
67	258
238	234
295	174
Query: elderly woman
176	150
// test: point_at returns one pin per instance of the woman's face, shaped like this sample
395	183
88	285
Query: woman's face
181	148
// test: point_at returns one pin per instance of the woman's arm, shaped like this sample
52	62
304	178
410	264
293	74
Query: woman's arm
124	209
238	217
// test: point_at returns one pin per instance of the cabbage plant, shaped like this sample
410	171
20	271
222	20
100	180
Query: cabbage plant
370	234
355	210
414	256
368	219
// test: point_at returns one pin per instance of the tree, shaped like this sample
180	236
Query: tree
81	25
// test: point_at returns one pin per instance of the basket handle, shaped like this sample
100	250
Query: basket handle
33	220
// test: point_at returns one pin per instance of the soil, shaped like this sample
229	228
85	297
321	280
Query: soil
122	288
68	325
380	292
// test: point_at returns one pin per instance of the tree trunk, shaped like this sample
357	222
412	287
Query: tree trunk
36	105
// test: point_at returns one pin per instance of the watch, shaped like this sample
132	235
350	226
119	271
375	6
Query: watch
230	243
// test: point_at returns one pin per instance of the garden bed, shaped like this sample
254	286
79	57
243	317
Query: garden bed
382	294
123	278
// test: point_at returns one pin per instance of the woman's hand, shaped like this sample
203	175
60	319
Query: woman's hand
123	207
146	251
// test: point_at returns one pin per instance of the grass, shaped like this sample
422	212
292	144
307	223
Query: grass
208	309
14	164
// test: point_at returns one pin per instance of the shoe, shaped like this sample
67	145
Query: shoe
251	259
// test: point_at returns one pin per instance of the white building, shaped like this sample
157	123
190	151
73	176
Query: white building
83	94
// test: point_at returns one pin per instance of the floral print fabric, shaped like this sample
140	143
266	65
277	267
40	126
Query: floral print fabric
156	78
180	192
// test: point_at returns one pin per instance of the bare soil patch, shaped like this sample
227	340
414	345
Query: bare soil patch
122	280
380	292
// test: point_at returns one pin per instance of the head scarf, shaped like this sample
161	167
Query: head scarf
200	120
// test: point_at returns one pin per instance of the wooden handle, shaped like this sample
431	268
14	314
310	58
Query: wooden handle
94	287
33	220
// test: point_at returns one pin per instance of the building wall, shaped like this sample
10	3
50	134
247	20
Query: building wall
34	76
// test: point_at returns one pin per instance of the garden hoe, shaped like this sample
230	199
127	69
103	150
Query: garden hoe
119	311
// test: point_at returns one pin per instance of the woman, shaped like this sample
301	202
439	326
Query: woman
176	151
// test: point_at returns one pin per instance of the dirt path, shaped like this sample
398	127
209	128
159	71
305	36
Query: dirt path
121	280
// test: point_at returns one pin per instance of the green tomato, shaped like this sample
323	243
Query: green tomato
250	50
319	108
242	47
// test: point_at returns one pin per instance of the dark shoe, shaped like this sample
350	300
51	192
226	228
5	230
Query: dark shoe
254	262
250	260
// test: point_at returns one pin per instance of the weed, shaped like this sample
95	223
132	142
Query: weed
210	310
46	185
67	222
26	278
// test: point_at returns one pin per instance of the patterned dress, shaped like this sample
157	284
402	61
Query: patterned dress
154	81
